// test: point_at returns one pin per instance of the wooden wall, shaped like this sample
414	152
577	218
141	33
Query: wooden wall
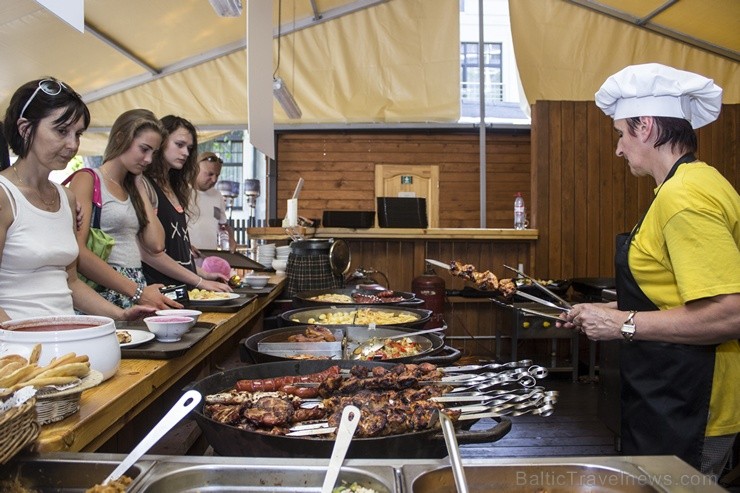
339	171
584	194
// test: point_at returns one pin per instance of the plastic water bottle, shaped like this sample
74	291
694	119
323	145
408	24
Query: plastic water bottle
222	238
520	212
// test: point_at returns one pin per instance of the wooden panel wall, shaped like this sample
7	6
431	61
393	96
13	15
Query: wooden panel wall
584	194
338	169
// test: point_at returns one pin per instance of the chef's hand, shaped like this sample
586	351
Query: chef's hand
598	321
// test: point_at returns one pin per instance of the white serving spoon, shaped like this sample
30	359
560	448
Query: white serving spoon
187	402
347	426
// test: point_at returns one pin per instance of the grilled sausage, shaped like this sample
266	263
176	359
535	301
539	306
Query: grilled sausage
277	383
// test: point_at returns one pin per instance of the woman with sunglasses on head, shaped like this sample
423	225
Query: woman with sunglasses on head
38	248
125	213
170	178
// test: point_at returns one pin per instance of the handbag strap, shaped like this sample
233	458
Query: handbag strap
97	198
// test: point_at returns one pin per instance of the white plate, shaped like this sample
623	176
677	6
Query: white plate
137	337
217	301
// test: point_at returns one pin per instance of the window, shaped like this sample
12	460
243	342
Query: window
470	80
230	148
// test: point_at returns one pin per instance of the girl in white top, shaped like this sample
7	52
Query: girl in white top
38	272
134	138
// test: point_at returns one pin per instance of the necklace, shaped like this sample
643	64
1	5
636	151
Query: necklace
49	206
110	179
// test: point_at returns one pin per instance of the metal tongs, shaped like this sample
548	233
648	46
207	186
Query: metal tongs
561	301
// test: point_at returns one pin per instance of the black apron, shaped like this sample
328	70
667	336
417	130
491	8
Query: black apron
665	387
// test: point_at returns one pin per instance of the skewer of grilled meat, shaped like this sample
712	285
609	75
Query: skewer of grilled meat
486	280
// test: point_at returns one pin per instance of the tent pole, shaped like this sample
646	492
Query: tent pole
482	131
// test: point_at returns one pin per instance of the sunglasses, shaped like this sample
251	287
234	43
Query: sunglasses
213	159
49	86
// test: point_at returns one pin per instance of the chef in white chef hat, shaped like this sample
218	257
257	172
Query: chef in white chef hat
653	89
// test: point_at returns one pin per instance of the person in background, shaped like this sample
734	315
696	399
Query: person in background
208	209
677	275
38	249
4	151
125	215
169	182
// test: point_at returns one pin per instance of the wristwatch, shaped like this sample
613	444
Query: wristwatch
629	328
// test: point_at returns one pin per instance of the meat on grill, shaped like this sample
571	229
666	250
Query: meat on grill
391	401
486	280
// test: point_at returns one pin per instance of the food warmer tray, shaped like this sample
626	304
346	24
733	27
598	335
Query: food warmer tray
74	472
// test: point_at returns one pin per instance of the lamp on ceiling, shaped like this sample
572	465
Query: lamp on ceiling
227	8
285	98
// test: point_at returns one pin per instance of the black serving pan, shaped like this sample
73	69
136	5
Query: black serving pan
435	352
300	316
231	441
303	298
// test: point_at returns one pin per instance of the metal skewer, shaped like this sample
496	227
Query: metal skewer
540	286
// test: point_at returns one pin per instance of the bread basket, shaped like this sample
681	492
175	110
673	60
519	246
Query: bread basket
18	428
55	405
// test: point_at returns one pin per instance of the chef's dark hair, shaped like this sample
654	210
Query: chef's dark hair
674	131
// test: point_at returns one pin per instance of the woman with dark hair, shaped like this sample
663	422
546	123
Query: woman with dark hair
43	125
4	152
125	214
171	177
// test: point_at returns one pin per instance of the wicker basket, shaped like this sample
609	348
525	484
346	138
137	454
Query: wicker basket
56	405
18	428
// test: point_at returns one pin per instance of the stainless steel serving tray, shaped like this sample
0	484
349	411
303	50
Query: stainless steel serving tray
71	472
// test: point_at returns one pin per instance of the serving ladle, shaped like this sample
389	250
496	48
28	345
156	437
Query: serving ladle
187	402
346	430
369	347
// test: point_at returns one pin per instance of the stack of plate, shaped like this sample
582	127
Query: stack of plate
282	252
266	254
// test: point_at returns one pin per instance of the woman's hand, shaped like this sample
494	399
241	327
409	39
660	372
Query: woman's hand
215	286
152	296
137	312
598	321
213	276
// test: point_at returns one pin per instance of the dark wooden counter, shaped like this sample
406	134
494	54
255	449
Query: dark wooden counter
107	408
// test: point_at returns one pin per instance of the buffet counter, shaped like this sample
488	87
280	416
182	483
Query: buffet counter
107	408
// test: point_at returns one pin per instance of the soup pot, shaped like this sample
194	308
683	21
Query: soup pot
58	335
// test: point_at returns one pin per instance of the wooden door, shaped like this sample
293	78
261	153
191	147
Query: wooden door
403	180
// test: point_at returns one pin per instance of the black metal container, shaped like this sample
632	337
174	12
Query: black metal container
301	316
230	441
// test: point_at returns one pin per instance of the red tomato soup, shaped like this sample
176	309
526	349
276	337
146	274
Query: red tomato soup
53	328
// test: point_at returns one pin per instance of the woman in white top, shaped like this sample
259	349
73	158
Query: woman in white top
38	248
134	138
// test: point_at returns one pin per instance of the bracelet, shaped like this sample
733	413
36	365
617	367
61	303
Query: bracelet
137	295
200	280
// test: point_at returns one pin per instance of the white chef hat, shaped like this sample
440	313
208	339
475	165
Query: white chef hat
653	89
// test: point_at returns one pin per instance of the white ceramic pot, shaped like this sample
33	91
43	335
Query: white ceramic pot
59	335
